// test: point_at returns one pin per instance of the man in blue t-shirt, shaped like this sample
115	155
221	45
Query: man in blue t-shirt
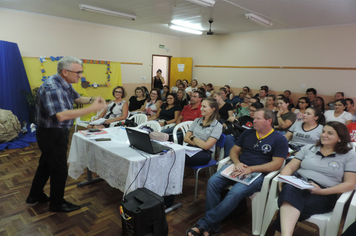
257	150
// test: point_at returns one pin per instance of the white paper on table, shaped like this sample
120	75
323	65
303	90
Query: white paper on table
191	151
97	122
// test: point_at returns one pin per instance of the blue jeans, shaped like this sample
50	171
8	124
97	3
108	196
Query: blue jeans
230	141
168	130
216	211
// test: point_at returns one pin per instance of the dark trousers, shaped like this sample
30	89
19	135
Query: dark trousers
53	144
308	204
199	159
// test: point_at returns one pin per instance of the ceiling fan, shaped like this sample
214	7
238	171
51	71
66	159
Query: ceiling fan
210	32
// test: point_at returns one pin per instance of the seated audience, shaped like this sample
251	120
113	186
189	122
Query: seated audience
302	105
248	155
152	104
169	112
263	96
329	166
116	110
225	109
189	112
247	90
181	86
280	96
201	89
209	89
242	109
137	101
338	95
174	89
339	114
182	98
204	132
311	94
230	93
318	103
284	117
307	131
271	102
145	92
186	83
350	108
224	97
165	92
236	100
352	130
192	88
264	87
287	94
230	140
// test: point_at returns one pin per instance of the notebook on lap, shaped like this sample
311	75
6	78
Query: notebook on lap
142	141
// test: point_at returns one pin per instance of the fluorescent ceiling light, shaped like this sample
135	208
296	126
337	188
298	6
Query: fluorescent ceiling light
259	20
204	3
187	24
85	7
179	28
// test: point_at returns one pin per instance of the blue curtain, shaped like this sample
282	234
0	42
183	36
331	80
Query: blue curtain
13	79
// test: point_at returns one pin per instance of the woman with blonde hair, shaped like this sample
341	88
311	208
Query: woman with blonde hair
182	98
192	88
204	132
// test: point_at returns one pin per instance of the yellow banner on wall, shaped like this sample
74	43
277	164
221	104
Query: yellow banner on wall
94	73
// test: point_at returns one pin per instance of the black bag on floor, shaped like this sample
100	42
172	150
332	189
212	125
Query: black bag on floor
143	214
238	126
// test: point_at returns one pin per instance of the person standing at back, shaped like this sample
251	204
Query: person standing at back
55	116
158	80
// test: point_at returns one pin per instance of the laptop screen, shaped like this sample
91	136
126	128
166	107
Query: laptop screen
139	139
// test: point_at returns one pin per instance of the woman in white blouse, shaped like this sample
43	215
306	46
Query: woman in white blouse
339	114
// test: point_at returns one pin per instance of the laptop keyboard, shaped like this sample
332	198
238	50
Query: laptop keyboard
159	147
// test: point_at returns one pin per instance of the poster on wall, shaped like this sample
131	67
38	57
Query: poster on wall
181	67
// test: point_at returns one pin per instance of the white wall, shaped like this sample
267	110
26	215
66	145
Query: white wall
323	47
39	35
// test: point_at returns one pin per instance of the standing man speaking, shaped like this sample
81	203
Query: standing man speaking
55	116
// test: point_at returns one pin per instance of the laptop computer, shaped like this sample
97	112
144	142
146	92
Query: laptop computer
141	140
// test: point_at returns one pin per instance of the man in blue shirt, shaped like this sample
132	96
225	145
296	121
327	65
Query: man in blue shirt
55	116
256	150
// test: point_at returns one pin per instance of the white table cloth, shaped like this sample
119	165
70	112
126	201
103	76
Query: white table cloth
118	164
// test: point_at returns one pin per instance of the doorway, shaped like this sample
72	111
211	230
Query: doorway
164	63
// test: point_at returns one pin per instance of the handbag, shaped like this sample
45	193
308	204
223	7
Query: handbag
238	126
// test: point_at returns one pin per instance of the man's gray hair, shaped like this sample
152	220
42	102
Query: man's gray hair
268	114
66	62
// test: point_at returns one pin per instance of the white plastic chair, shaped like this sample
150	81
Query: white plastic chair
258	199
152	124
138	118
184	126
328	223
116	122
168	126
79	122
351	214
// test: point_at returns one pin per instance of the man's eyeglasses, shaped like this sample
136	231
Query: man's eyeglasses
257	143
77	72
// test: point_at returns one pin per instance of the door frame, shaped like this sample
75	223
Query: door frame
169	68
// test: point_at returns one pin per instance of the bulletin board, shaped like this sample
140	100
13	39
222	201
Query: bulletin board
93	73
